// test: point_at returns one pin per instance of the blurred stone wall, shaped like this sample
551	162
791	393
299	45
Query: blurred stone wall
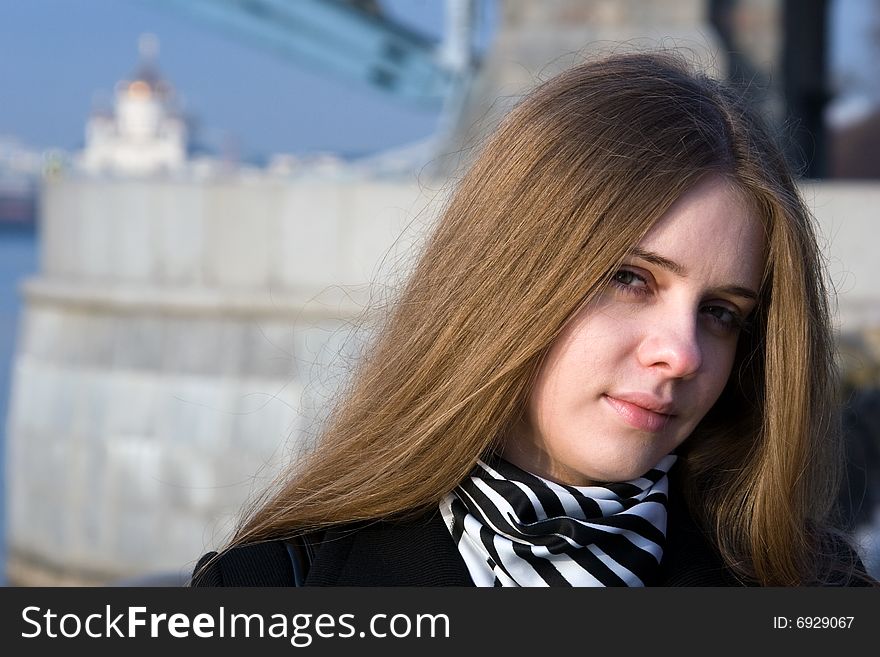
177	345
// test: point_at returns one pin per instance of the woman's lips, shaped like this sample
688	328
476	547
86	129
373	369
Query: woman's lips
637	416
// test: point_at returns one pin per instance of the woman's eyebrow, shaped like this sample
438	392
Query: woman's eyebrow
679	270
660	261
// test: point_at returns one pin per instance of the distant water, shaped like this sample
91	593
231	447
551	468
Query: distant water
18	260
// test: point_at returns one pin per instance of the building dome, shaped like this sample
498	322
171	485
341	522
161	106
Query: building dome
143	133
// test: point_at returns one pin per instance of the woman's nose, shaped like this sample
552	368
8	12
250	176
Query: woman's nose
673	347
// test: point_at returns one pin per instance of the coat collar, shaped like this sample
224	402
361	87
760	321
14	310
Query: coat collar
421	552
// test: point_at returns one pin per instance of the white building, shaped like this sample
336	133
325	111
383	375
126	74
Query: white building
142	134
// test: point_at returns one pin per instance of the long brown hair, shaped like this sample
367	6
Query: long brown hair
572	178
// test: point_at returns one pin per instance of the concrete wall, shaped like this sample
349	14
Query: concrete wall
178	341
848	222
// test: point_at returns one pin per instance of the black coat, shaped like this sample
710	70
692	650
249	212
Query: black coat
421	552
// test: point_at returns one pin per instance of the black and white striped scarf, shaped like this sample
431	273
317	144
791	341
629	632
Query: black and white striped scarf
517	529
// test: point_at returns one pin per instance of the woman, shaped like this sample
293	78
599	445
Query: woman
612	365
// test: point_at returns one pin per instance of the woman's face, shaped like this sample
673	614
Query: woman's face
635	371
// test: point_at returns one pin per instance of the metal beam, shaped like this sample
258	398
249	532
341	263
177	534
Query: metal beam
341	38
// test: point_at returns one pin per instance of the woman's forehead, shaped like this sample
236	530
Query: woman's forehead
711	231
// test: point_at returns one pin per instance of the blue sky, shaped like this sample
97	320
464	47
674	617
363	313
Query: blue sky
855	31
59	57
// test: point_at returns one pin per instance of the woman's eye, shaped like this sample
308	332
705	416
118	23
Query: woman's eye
630	281
724	318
